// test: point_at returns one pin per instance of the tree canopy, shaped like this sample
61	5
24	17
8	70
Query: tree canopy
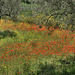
63	10
11	8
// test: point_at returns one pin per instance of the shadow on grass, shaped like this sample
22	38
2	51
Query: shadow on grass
67	67
51	69
7	33
46	69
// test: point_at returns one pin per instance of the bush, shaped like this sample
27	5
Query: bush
7	33
41	19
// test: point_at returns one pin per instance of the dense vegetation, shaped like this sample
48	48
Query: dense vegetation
41	10
37	37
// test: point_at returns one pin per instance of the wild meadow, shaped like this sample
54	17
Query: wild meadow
28	49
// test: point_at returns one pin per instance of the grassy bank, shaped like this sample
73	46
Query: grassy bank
26	49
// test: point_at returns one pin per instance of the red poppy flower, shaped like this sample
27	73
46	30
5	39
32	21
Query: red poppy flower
58	28
11	50
18	72
2	56
27	63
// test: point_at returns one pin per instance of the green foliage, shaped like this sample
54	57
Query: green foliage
40	20
57	8
26	19
7	33
3	69
26	69
11	8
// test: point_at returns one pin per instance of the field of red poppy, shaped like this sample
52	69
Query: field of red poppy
26	49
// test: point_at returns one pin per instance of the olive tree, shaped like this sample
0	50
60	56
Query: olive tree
62	10
11	8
